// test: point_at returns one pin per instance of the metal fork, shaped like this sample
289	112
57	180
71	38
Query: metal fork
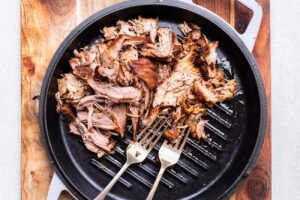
138	151
169	154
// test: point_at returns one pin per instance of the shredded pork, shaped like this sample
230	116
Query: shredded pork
136	73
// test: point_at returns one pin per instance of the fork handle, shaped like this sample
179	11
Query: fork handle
104	192
156	183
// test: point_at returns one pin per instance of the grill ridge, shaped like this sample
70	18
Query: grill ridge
201	149
218	118
224	108
213	144
111	173
129	171
216	131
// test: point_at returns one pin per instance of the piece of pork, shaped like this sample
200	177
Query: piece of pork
88	143
184	27
118	113
125	28
135	27
85	63
109	64
64	108
200	133
146	70
89	100
125	77
134	115
172	134
216	76
205	92
164	47
177	114
70	89
115	94
102	141
90	109
153	114
176	50
135	41
109	59
80	129
189	106
95	140
142	26
99	120
121	28
178	83
227	91
126	56
73	128
110	32
211	58
129	54
148	97
164	72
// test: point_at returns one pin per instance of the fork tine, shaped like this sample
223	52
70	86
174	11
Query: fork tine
145	136
157	139
185	139
181	135
146	128
179	139
154	133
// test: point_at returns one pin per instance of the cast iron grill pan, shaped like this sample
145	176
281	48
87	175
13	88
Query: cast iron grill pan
207	169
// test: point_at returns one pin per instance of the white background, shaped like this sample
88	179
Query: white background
285	38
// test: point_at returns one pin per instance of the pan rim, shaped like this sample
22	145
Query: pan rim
205	13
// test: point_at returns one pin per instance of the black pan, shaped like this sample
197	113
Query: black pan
210	169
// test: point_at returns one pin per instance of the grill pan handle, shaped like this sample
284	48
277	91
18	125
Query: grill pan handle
250	35
56	187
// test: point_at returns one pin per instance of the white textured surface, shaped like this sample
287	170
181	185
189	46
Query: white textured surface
10	114
285	24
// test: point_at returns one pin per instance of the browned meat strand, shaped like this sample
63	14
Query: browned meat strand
65	109
152	115
200	129
94	140
210	95
110	64
146	70
115	94
185	29
134	114
118	113
99	120
178	84
125	76
70	89
142	26
164	47
138	72
172	134
135	27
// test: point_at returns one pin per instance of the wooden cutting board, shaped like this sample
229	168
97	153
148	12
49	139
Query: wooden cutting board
45	24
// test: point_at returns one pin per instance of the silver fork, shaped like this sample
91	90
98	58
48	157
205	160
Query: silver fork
138	151
169	154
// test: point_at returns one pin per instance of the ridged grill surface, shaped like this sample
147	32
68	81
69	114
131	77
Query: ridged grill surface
189	164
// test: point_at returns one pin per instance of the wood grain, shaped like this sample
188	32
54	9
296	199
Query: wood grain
45	24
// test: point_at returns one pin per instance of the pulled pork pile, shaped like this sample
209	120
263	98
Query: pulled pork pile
137	72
